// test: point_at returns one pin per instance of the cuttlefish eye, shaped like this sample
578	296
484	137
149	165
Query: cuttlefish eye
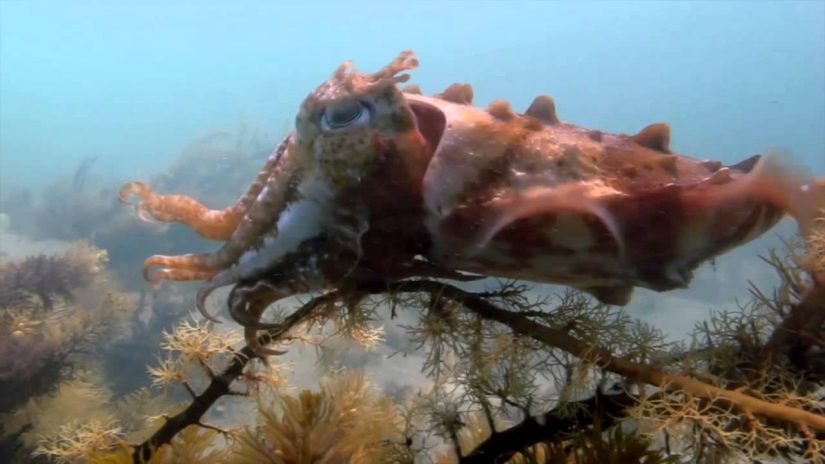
346	114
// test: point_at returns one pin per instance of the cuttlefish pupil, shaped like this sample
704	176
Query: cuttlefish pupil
344	114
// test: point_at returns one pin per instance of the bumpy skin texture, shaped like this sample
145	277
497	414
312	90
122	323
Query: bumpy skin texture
379	183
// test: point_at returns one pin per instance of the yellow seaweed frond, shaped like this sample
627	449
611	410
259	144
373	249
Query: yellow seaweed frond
346	421
168	372
87	257
143	411
196	340
265	374
75	441
194	445
45	415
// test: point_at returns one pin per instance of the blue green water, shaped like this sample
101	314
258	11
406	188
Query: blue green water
133	82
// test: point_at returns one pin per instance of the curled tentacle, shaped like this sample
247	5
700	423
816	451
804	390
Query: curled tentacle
246	305
251	337
221	279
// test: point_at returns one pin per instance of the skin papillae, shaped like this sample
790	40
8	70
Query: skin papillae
380	184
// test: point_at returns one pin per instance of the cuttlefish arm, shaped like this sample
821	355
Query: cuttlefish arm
258	216
275	225
315	264
214	224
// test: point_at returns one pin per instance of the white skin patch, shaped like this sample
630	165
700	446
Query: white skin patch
570	231
300	221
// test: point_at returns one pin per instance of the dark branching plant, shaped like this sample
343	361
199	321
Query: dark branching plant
516	377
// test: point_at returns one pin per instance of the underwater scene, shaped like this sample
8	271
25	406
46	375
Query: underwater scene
436	232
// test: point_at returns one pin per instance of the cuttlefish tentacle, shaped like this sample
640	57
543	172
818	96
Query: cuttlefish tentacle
263	216
192	266
215	281
260	219
208	223
246	305
288	234
303	270
156	276
312	261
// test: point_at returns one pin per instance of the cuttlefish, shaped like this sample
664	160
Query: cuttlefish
382	183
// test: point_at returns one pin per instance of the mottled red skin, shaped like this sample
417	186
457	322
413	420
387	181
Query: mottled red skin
433	186
651	216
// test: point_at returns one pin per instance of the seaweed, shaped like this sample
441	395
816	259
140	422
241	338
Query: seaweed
516	377
54	311
49	276
344	421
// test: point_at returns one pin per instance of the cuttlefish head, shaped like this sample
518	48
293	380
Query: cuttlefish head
351	124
